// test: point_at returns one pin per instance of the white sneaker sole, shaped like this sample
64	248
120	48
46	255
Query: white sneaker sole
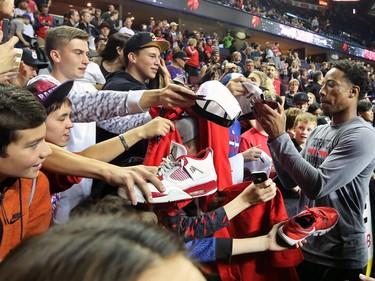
174	193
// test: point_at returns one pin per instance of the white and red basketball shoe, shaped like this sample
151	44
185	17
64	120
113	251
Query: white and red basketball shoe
184	177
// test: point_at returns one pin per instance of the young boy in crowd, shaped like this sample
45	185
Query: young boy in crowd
303	126
24	191
299	125
291	115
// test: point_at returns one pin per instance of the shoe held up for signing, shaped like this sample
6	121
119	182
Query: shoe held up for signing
313	221
184	177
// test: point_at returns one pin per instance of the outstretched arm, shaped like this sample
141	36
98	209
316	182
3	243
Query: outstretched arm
205	225
252	195
111	148
121	103
222	249
262	243
322	178
65	162
167	97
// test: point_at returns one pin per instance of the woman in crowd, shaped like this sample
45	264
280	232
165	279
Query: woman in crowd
112	57
192	64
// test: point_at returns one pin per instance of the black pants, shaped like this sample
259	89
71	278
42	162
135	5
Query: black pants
308	271
191	70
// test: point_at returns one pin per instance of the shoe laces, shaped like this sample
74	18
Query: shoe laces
316	214
167	164
307	219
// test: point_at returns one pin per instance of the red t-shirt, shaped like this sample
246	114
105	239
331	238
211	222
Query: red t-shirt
252	137
42	30
208	50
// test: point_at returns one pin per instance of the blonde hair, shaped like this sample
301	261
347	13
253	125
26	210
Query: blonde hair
192	42
293	81
230	65
291	115
236	54
311	95
304	118
266	82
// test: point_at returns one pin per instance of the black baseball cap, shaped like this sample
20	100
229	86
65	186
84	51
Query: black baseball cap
29	57
142	40
104	24
180	55
47	92
300	97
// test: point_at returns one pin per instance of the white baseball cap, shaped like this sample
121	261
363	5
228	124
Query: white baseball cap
219	105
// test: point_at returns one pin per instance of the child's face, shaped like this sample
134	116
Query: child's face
302	131
58	125
293	88
26	155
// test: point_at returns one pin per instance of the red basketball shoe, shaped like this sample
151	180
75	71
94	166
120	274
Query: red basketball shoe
314	221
